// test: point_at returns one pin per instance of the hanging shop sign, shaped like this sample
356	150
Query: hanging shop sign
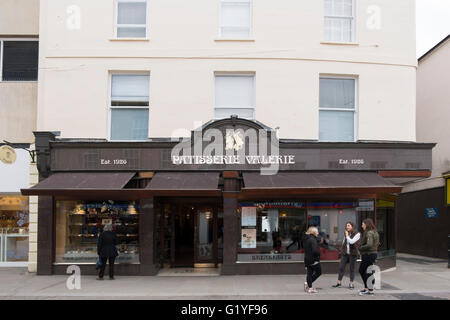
7	155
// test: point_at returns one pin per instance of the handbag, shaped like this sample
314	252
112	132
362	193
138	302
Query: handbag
99	263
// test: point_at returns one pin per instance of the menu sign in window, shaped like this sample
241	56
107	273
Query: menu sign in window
248	239
248	218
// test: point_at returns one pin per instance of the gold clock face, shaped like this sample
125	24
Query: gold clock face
7	155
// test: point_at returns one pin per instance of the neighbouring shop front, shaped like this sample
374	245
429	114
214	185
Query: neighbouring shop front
232	196
14	208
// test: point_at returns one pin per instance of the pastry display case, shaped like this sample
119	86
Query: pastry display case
80	223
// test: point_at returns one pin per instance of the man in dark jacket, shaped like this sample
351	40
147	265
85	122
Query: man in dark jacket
107	251
312	258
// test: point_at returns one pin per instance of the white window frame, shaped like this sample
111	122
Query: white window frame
2	40
352	18
111	107
355	110
116	17
221	74
250	31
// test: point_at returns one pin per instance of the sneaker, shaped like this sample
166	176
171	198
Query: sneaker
369	293
98	278
337	285
351	286
363	292
305	287
112	278
312	290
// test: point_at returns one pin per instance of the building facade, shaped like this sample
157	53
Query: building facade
210	133
423	205
19	39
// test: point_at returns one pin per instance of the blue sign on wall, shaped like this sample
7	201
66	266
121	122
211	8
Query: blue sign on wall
431	212
314	221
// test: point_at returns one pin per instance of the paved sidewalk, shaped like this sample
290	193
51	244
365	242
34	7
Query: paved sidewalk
414	278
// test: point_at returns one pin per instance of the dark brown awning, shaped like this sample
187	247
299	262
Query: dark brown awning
66	182
185	183
318	182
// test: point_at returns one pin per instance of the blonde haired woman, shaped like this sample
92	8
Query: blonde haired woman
312	258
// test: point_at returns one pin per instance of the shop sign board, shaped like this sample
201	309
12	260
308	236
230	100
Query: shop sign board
269	257
365	205
238	145
153	158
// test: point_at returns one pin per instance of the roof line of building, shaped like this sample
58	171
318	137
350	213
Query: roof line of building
434	48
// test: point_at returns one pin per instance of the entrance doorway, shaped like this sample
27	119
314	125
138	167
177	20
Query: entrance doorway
183	237
190	235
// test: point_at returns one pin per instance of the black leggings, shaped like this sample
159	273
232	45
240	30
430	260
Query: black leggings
313	272
366	261
347	259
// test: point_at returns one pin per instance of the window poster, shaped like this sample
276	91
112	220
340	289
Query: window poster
248	239
248	217
265	224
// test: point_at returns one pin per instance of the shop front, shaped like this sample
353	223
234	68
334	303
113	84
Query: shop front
232	197
14	208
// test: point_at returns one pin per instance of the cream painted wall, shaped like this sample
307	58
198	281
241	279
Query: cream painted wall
18	100
18	107
433	113
19	17
182	54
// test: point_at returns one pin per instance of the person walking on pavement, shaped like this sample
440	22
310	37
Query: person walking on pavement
312	259
349	253
107	251
368	249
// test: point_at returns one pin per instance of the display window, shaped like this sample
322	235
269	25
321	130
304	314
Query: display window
385	227
14	228
273	231
78	225
330	218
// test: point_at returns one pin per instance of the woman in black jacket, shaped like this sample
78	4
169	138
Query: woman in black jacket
312	258
107	251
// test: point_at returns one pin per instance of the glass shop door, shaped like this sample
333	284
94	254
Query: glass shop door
205	241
